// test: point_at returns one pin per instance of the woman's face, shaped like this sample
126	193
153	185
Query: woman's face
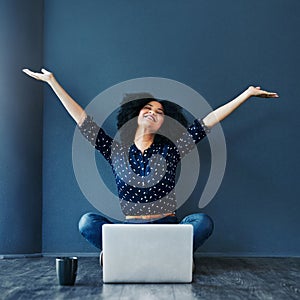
151	116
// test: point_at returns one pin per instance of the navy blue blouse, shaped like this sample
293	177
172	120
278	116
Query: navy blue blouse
145	181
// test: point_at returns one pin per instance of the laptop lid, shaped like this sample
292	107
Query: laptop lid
147	253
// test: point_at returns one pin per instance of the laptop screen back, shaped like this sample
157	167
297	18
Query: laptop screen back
147	253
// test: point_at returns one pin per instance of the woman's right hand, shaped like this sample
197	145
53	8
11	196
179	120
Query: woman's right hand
73	108
44	76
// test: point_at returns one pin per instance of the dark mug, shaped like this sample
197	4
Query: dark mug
66	270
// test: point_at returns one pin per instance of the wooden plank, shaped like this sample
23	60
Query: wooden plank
215	278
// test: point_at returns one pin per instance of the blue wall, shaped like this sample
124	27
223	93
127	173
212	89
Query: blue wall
216	47
21	100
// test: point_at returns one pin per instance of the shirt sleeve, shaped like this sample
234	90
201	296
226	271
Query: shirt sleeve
97	137
198	130
194	134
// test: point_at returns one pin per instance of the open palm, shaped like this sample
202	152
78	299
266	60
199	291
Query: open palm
258	92
44	75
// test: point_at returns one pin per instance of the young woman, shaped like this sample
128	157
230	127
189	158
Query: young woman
144	161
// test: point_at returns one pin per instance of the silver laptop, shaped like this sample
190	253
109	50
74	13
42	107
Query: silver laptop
147	253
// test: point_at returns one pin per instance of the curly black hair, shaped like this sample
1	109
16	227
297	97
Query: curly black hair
169	131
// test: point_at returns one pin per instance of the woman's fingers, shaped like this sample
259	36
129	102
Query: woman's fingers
268	94
31	74
27	71
45	71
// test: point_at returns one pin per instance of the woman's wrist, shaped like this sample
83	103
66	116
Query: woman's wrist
51	81
249	92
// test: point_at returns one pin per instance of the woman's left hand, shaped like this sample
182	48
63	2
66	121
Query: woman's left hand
225	110
258	92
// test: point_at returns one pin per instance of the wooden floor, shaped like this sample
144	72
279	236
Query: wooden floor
215	278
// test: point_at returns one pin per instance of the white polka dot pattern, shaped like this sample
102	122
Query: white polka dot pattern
145	181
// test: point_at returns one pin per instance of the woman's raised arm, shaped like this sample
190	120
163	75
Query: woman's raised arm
73	108
224	111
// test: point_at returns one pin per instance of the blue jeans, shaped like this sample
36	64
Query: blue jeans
90	226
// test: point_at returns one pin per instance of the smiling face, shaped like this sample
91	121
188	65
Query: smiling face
151	116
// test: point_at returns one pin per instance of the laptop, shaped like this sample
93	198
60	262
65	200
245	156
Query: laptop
147	253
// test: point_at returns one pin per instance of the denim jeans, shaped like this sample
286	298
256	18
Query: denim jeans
90	226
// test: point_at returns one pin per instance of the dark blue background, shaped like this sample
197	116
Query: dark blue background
21	123
216	47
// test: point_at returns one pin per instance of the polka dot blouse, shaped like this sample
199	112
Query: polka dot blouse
145	181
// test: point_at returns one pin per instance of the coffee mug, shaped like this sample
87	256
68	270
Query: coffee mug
66	270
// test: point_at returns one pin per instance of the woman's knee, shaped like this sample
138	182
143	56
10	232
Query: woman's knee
85	222
202	220
209	224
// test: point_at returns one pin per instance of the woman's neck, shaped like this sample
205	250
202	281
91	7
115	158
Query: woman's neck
143	140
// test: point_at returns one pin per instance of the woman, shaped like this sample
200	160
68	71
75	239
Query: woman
144	162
